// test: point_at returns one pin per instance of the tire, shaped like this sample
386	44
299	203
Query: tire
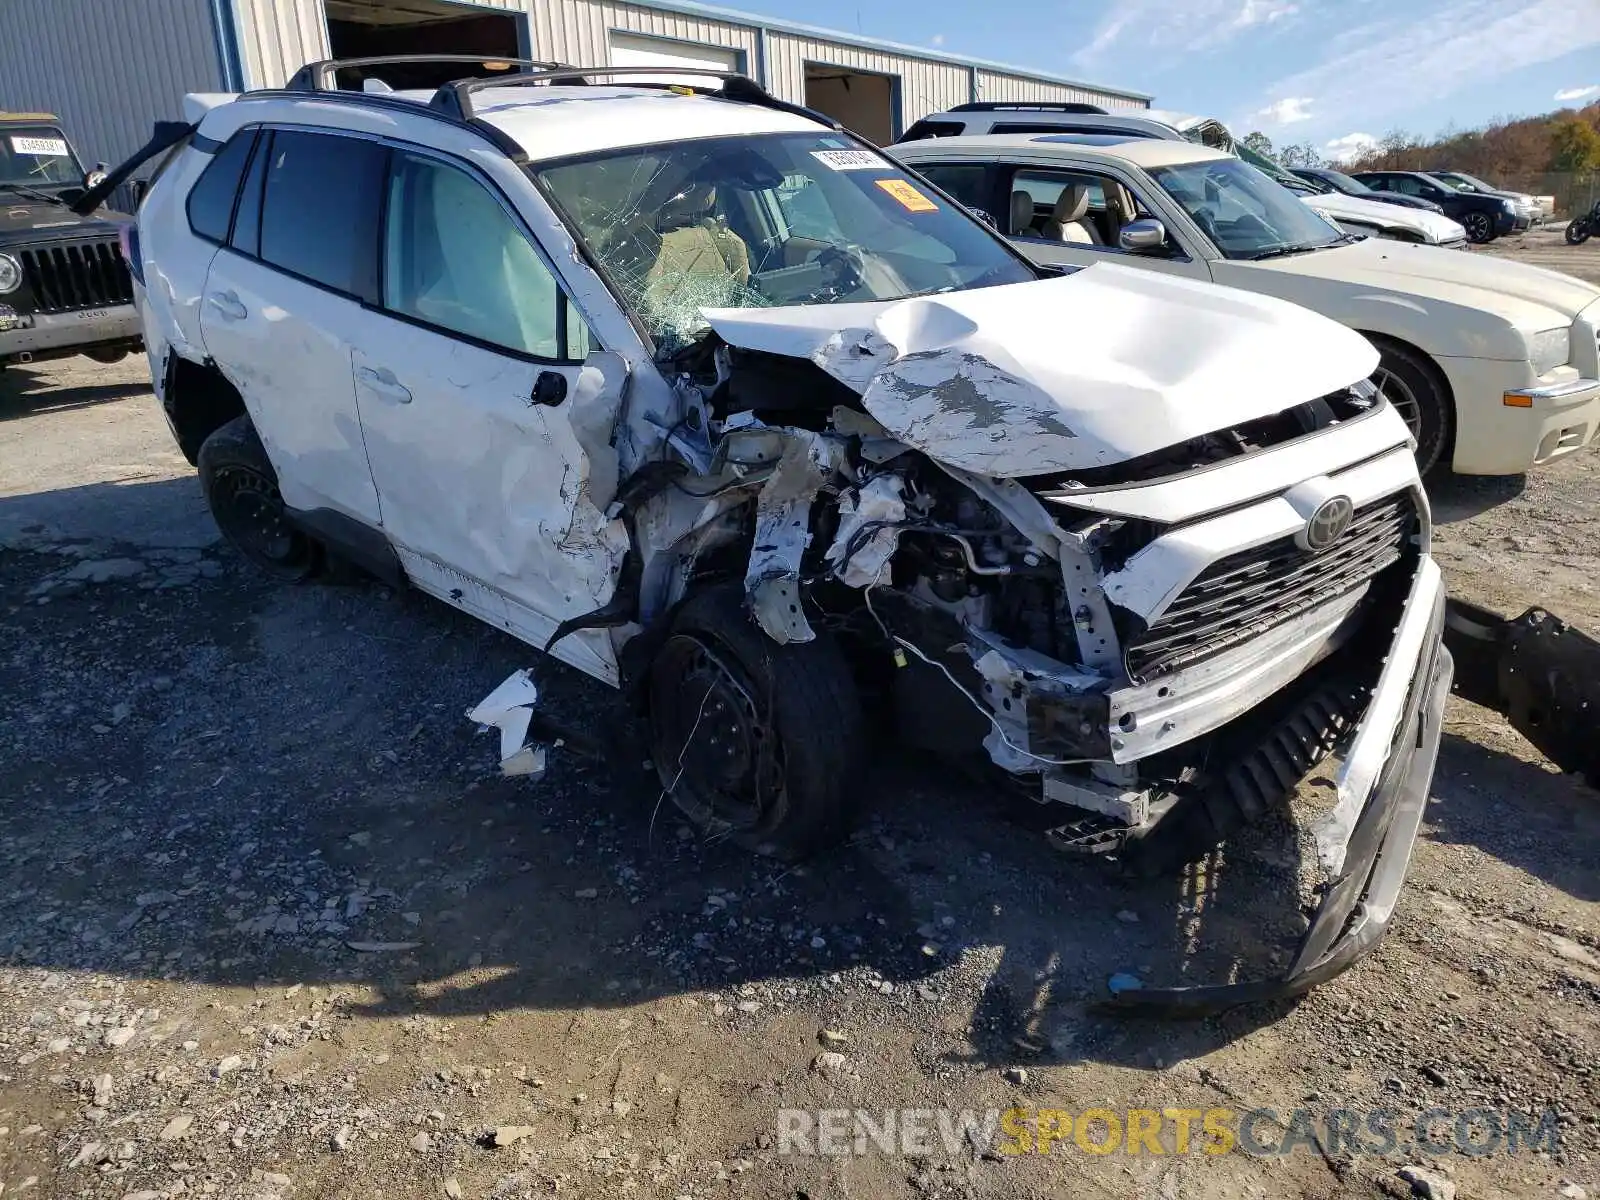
241	490
1419	393
1480	228
1578	231
755	742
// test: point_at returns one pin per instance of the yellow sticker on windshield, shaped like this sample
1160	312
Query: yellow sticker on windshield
910	199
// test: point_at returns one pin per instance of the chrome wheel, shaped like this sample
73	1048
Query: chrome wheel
1401	398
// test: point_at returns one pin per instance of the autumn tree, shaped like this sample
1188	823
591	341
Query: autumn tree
1258	141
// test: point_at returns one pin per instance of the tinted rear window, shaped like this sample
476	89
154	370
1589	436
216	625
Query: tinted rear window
211	199
933	129
319	212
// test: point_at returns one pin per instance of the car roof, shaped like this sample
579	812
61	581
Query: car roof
28	116
1141	152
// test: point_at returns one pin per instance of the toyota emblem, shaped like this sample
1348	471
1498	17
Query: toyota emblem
1328	523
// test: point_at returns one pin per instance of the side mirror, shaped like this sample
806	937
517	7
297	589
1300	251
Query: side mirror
95	177
986	217
138	189
1142	236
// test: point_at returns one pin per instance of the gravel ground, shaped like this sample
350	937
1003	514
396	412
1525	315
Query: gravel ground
271	924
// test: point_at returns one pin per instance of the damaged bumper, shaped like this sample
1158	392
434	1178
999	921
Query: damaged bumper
1390	766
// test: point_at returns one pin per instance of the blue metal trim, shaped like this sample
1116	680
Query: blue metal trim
225	30
731	16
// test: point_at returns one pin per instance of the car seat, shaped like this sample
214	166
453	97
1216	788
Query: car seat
1066	223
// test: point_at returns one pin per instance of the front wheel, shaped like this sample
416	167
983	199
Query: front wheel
1419	394
1479	227
1578	231
241	489
755	742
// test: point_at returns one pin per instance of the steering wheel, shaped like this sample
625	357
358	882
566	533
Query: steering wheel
846	267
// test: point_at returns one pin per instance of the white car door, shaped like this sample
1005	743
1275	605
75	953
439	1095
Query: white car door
487	418
283	300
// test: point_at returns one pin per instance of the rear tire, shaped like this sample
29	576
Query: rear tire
1578	232
241	490
1419	394
755	742
1479	227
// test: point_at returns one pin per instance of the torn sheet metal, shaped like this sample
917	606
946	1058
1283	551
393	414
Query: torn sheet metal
783	520
876	444
879	501
509	708
1061	374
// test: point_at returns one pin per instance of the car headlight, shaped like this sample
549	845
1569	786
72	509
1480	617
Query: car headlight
1549	350
10	274
1509	207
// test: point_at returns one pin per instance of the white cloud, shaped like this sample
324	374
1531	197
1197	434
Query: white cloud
1174	27
1263	12
936	40
1283	112
1350	146
1422	59
1567	95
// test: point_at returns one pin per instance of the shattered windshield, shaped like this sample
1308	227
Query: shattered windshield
36	156
767	220
1245	213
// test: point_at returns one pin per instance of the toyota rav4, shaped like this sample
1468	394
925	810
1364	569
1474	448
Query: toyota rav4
707	398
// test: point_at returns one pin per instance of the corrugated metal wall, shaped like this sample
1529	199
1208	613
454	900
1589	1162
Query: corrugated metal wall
278	37
925	86
996	85
108	70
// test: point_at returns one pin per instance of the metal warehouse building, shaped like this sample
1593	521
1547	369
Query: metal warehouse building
109	69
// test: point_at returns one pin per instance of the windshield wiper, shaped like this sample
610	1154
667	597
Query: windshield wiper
32	193
1295	248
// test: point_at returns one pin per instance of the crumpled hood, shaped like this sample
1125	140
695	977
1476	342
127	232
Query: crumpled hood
1092	369
1528	297
1436	227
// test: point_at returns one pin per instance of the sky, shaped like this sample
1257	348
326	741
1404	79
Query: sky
1334	73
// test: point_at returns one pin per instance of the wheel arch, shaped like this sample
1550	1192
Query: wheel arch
198	399
1382	341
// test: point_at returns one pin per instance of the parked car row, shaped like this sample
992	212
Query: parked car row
1088	458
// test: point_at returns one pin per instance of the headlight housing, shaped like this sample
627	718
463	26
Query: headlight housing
1510	206
1549	350
10	274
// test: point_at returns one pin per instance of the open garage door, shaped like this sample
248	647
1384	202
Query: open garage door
632	50
864	102
360	28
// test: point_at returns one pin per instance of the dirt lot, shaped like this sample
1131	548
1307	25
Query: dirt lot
271	924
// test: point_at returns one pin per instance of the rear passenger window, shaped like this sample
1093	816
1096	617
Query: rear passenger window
454	258
964	181
246	237
211	199
933	129
320	207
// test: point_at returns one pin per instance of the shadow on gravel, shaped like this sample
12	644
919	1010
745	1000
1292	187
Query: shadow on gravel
239	783
1519	812
1456	498
143	513
24	392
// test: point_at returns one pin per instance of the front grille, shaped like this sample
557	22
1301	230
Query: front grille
1240	596
77	275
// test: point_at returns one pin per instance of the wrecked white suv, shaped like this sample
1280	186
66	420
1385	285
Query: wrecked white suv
709	399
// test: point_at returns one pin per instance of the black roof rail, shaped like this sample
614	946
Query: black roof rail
1069	106
323	76
456	98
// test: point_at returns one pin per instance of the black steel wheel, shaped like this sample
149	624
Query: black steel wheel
1578	231
755	742
241	490
1478	226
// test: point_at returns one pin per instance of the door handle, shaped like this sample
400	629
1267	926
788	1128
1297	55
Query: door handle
229	305
384	383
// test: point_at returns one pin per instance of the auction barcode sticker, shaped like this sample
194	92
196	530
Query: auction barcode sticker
40	147
851	160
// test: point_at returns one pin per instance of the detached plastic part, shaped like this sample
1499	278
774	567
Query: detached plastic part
509	708
1539	671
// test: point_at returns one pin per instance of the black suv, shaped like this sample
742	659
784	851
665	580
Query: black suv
1483	217
1325	179
64	285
